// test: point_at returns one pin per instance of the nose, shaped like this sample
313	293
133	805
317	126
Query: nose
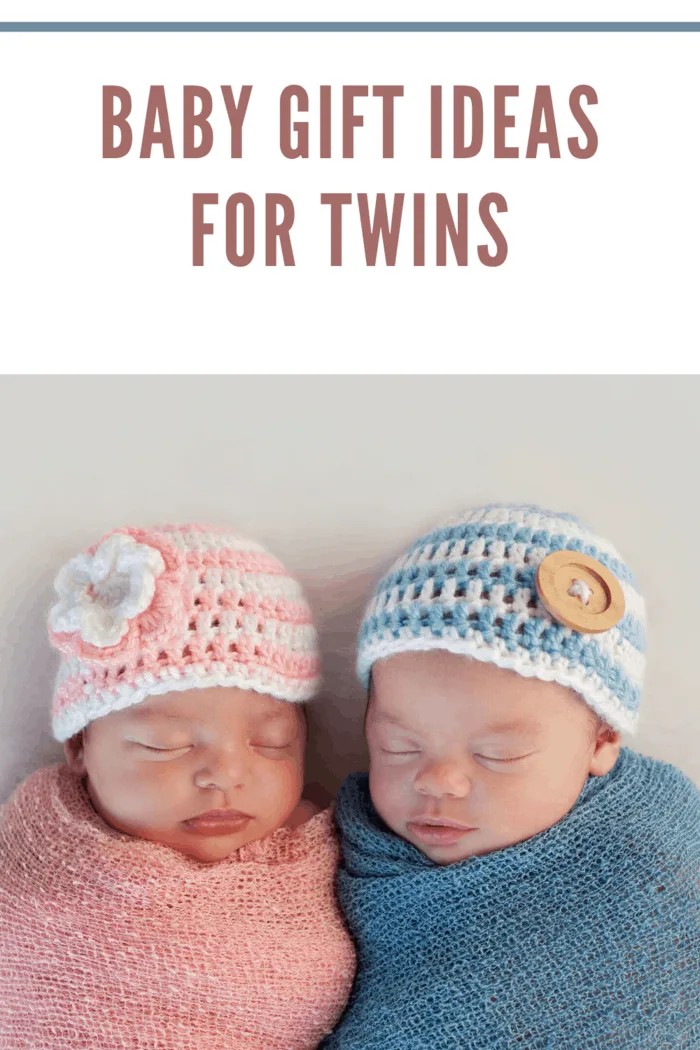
221	769
439	779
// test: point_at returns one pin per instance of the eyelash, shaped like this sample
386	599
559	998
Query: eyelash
488	758
166	750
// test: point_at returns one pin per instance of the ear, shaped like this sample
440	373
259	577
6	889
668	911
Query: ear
74	750
605	752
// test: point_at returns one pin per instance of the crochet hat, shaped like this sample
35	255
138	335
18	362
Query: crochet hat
148	611
478	585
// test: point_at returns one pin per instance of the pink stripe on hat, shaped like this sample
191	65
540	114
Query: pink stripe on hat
147	611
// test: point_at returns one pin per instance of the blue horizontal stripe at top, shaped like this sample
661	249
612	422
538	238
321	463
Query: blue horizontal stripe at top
349	27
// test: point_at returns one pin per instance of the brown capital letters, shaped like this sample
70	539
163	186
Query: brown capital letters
301	149
112	120
199	226
274	229
336	201
157	109
192	120
503	120
236	112
436	121
235	257
477	108
546	136
388	94
445	224
351	120
419	229
380	228
492	227
325	129
575	148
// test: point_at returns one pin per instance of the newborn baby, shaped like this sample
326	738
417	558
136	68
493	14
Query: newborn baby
168	887
513	878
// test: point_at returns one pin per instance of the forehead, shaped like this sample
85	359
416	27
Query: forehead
440	672
217	704
433	689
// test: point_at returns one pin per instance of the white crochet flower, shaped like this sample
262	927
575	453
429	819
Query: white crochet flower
99	593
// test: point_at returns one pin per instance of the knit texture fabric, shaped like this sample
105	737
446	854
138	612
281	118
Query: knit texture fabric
469	587
584	937
109	942
148	611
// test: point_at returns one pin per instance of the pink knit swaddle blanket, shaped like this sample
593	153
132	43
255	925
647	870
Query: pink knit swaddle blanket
109	941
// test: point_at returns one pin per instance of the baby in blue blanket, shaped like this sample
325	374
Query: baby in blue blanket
513	877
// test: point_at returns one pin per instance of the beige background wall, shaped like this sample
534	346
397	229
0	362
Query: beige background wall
336	475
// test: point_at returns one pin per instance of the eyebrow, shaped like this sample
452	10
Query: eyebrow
144	715
515	726
269	716
520	726
390	718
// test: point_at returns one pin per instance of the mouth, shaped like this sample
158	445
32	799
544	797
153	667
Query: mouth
218	822
436	831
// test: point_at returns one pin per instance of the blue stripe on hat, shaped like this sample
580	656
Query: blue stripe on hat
511	577
511	533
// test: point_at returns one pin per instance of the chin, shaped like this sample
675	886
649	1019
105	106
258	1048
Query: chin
450	854
209	852
209	849
447	855
208	856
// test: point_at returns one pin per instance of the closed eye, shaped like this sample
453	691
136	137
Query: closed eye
491	758
402	751
165	750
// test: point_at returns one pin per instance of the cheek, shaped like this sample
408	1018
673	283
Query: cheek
276	786
391	788
139	792
153	795
536	801
561	788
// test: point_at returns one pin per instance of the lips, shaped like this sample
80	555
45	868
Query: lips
218	822
433	831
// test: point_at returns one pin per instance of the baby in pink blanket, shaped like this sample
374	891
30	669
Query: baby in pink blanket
168	888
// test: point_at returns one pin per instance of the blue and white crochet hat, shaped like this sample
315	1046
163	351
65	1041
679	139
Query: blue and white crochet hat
469	586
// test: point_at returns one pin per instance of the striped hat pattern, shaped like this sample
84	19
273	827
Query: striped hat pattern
469	587
149	611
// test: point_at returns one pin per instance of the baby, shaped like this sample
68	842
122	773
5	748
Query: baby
514	879
168	888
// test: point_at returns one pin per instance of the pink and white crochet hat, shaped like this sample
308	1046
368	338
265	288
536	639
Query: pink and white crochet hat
148	611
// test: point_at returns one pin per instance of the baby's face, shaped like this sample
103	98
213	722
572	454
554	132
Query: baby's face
466	758
154	770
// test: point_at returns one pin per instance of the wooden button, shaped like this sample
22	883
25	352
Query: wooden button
579	592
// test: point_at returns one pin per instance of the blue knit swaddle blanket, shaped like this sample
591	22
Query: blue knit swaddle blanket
585	936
